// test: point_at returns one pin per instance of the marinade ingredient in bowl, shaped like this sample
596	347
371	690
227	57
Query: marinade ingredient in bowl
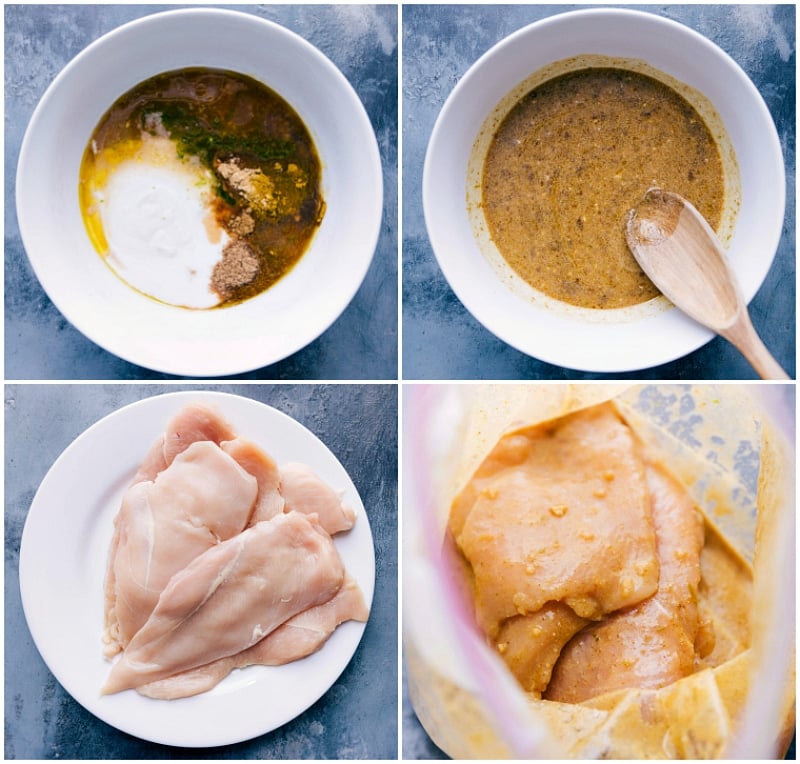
201	187
586	561
220	559
568	162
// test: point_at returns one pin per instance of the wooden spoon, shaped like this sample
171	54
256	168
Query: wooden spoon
679	251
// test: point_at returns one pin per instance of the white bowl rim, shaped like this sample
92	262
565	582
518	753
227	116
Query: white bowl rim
628	352
234	361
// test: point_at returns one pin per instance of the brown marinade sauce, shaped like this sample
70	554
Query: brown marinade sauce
569	161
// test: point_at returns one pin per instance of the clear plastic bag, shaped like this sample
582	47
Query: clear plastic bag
733	447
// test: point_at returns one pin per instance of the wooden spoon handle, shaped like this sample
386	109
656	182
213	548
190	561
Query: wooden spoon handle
743	336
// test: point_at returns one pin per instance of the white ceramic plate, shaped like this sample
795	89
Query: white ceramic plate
209	343
572	338
62	568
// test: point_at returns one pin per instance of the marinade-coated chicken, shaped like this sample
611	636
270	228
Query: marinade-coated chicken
202	498
530	644
652	644
298	637
557	530
230	597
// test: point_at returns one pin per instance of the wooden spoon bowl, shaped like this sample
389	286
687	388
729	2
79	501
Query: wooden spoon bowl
680	253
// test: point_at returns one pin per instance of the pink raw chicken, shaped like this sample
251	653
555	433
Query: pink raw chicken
203	497
299	637
306	632
192	423
303	491
199	485
230	597
259	464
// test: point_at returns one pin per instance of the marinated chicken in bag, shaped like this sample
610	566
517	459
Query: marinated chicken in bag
616	603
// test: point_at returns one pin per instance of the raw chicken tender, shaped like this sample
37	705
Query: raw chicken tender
231	597
297	638
259	464
203	497
305	492
653	644
191	424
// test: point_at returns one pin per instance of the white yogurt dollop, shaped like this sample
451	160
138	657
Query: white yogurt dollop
154	218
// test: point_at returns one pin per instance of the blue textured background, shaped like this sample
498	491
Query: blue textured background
355	719
360	40
441	339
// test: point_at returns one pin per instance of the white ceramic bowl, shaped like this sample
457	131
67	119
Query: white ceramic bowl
582	339
211	343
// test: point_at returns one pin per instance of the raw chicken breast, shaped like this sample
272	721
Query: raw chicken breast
297	638
559	512
203	497
305	492
230	597
194	422
259	464
153	462
653	644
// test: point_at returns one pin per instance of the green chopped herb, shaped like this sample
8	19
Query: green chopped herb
212	141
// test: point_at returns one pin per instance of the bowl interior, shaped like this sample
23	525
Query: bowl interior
259	331
611	344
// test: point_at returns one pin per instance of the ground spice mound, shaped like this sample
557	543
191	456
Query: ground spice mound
243	224
239	266
249	181
272	191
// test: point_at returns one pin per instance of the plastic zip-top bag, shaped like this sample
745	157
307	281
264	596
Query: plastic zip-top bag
494	672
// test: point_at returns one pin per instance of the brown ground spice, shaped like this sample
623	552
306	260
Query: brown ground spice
239	266
243	224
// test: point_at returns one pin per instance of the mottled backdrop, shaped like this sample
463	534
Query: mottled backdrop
441	339
360	39
355	719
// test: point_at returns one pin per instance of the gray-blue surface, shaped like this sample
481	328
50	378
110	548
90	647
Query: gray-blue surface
355	719
361	40
441	339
